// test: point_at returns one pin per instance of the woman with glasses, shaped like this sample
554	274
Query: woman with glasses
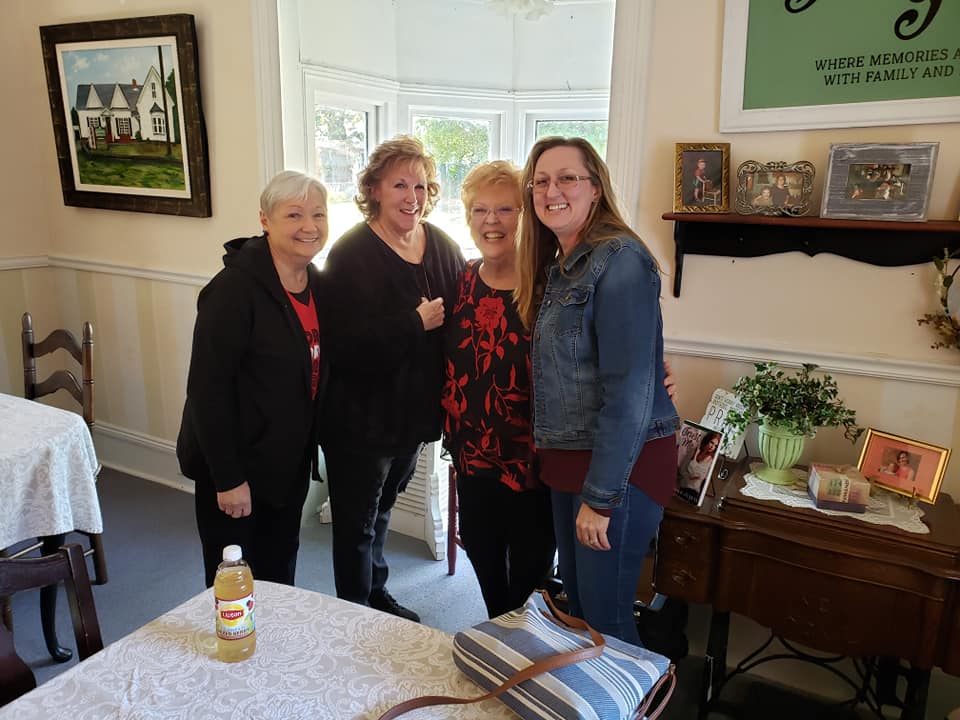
506	521
603	421
388	282
506	524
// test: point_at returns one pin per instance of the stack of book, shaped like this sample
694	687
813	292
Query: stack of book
838	487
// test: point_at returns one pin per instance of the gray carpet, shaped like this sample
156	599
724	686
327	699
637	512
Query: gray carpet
154	564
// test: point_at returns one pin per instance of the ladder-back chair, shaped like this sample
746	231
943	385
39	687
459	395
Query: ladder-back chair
81	391
18	574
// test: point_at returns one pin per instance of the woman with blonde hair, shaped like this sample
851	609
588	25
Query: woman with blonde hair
506	524
603	422
389	281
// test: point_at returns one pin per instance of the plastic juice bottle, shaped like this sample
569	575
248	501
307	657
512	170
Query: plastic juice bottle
233	594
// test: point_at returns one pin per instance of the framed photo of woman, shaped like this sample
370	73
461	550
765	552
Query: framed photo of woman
698	448
904	466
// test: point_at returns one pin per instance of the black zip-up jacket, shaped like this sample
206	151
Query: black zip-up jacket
386	373
248	415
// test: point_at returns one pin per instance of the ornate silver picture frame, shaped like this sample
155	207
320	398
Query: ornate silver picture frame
774	188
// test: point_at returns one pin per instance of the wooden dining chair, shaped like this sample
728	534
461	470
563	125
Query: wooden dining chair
81	391
16	575
710	193
453	536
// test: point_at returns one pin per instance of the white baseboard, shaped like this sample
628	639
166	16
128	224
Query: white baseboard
155	459
139	454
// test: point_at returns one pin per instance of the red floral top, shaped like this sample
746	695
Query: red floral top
486	394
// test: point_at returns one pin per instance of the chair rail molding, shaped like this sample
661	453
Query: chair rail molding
24	262
881	368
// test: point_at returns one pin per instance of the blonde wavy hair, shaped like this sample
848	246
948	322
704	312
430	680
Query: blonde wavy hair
402	148
538	246
486	175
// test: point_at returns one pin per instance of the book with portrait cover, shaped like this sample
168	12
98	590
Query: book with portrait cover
697	452
715	418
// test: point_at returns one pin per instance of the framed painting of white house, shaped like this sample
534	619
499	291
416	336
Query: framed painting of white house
127	117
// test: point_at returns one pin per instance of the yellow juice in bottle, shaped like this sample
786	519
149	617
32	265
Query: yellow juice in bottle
233	593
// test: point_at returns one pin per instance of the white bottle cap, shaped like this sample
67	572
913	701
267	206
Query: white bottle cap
232	553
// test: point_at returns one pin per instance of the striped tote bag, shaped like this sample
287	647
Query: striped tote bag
545	664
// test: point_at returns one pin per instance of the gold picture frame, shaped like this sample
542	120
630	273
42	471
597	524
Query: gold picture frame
904	466
701	180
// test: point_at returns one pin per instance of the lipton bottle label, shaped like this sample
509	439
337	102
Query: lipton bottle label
235	618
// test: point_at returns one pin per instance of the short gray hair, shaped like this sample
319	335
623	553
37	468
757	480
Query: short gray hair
289	185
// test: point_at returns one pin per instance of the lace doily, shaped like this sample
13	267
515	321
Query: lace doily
884	508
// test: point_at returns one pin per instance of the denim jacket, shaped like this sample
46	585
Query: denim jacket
597	360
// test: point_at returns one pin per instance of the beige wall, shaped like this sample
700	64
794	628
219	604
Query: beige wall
790	304
142	326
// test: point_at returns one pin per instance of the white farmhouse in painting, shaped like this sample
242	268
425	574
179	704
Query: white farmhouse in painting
124	109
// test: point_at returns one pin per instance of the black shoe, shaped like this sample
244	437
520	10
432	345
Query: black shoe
385	601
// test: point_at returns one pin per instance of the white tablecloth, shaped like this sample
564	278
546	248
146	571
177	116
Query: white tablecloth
48	470
317	657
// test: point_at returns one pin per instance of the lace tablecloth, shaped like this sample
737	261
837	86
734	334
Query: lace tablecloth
317	657
48	470
884	508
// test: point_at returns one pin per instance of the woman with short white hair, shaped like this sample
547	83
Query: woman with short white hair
249	432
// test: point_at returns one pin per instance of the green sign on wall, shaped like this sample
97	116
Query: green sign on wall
833	52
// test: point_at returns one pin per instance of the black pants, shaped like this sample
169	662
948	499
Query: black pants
363	490
508	537
269	536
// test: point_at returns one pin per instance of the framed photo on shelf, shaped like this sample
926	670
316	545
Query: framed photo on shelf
698	448
775	188
127	117
701	180
904	466
879	181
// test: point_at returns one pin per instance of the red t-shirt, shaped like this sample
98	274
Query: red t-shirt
307	312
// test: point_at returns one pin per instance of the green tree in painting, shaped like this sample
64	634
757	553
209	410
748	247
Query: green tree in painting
171	87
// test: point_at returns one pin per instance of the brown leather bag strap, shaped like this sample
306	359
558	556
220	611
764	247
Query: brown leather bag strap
670	676
541	666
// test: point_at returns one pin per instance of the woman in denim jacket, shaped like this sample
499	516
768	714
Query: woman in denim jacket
603	422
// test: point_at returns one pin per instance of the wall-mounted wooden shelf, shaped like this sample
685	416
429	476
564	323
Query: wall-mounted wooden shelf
870	241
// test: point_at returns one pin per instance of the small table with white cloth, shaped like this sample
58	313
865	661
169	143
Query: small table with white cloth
317	657
48	471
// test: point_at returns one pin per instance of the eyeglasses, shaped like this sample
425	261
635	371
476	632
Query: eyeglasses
540	185
482	213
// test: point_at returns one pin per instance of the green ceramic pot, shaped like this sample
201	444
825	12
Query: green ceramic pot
779	449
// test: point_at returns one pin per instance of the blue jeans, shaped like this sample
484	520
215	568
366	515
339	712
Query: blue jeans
601	585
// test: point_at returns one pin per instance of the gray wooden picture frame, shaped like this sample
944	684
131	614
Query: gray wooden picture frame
871	199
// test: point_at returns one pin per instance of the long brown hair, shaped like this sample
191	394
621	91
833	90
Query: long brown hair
538	244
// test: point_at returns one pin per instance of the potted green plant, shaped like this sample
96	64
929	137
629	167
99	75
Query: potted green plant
788	409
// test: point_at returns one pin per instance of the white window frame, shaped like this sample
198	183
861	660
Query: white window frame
314	96
588	109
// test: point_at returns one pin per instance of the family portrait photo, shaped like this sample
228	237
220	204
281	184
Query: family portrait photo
872	181
774	188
